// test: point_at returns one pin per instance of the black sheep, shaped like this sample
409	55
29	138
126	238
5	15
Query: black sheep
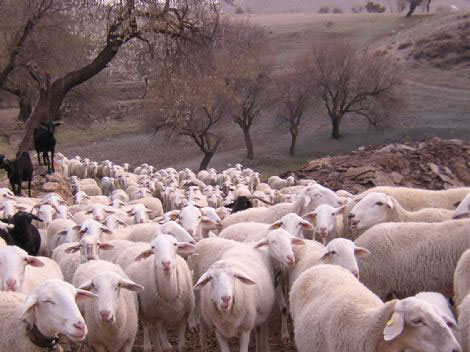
44	142
239	204
24	234
19	170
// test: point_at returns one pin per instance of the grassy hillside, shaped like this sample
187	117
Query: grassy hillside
438	99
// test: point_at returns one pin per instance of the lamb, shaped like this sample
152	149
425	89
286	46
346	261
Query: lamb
19	170
407	258
413	199
70	255
325	220
254	231
333	311
376	207
153	204
168	298
112	317
32	323
20	272
309	200
275	182
61	231
44	142
237	296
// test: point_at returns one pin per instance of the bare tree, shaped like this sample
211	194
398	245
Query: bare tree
294	91
165	22
413	4
356	82
192	101
243	49
401	5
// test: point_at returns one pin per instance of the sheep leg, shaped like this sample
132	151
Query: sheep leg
127	347
181	336
147	338
258	339
203	335
164	343
29	186
285	336
222	341
39	156
52	161
245	341
264	338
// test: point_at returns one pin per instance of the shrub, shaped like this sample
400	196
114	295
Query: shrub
372	7
358	9
337	10
239	10
324	9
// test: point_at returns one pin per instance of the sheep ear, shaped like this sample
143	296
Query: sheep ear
306	225
240	275
203	280
145	254
394	326
33	261
83	295
325	255
360	252
185	248
205	220
31	301
62	233
86	286
105	246
456	204
131	286
307	200
106	230
262	243
73	249
297	241
89	211
310	216
276	225
77	228
340	210
390	202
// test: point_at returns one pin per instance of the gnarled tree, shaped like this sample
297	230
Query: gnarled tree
349	81
161	23
293	94
413	4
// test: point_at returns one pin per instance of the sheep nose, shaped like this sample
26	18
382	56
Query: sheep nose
290	260
225	299
351	216
166	265
105	314
11	284
80	325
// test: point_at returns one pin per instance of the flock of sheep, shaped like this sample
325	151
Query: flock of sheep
373	272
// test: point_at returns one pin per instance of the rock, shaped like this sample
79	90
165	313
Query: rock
50	187
358	171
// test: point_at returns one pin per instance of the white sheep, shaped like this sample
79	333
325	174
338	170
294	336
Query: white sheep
154	205
333	311
413	199
275	182
377	207
70	255
168	298
463	210
147	232
61	231
254	231
20	272
408	258
237	296
50	310
309	200
112	317
326	222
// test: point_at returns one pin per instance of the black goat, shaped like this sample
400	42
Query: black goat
19	170
239	204
44	142
24	234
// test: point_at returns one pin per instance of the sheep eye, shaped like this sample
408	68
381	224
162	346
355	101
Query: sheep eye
49	301
332	252
379	204
175	244
333	214
417	321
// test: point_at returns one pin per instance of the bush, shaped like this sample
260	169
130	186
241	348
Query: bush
239	10
372	7
358	9
337	10
324	9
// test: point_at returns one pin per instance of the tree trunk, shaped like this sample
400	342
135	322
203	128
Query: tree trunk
250	154
205	162
335	132
413	5
293	142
